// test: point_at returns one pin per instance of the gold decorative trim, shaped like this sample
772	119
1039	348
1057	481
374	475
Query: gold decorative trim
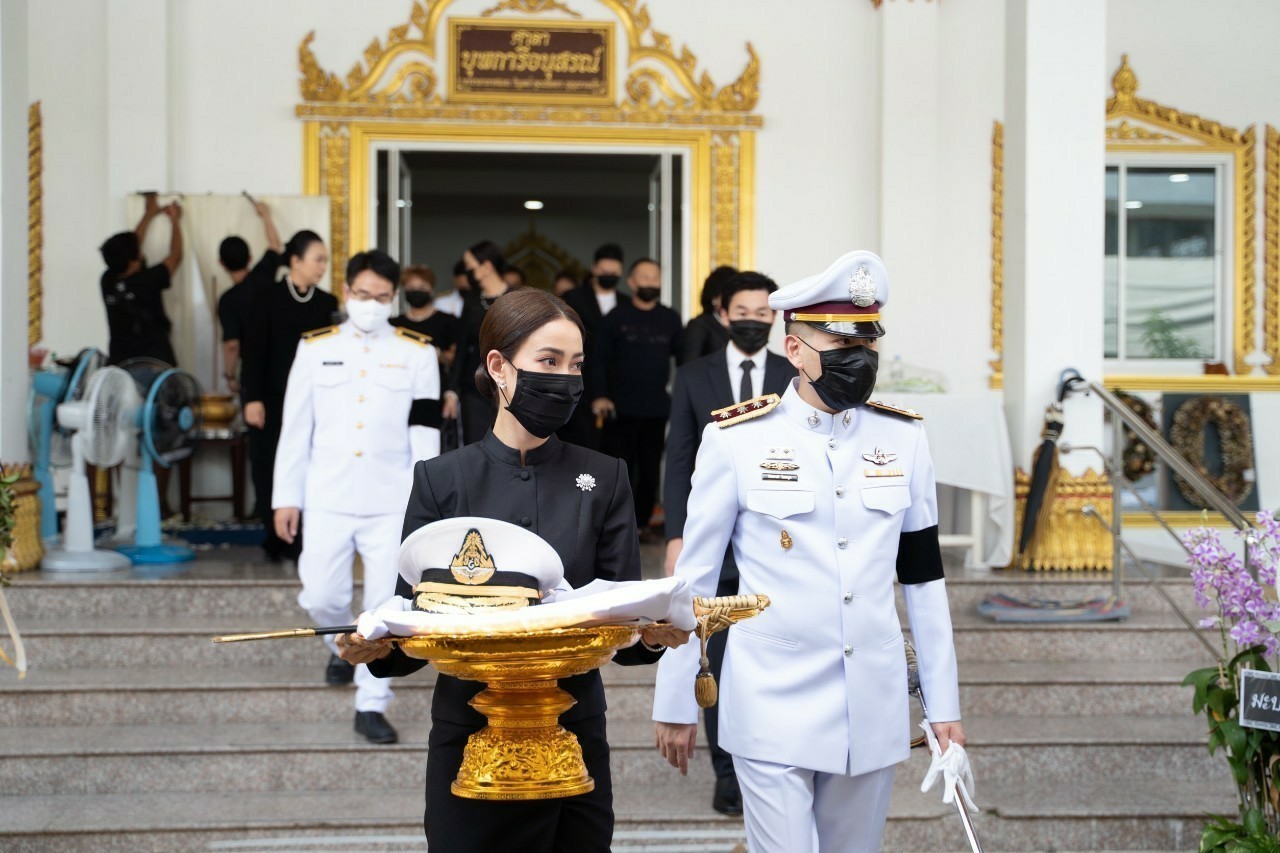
1177	519
530	7
1193	384
1186	133
35	225
390	95
1072	541
540	258
997	254
1271	264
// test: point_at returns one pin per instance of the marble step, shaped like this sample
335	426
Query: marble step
39	597
182	695
173	640
286	756
1123	814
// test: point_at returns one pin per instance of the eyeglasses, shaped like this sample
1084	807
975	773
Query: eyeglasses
365	296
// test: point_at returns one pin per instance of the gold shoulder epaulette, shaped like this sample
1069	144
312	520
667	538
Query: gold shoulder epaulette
319	334
410	335
745	411
894	410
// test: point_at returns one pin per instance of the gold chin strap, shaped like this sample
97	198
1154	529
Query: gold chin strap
459	598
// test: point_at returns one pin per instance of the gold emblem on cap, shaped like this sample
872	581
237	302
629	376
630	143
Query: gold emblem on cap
862	287
472	565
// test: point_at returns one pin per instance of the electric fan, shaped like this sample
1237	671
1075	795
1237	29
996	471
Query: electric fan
144	371
167	427
100	423
65	382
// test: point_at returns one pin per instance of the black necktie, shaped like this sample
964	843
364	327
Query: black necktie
744	390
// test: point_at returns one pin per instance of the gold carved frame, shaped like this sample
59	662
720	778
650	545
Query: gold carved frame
35	225
1136	124
391	96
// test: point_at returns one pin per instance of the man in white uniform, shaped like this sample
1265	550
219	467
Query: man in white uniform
825	499
361	407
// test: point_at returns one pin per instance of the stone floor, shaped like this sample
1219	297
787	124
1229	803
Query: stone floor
134	732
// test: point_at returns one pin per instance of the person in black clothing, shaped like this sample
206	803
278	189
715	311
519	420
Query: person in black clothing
280	312
565	281
707	333
514	277
713	382
235	306
443	329
485	266
595	300
133	293
522	474
638	340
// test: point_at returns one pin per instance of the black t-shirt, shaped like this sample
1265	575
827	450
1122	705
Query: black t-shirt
443	328
633	360
136	318
276	323
237	302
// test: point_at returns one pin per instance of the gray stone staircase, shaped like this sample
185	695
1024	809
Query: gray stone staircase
134	732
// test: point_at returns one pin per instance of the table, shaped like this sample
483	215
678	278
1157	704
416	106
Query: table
969	440
235	439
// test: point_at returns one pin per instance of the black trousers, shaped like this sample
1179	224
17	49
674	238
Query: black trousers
262	463
581	824
721	761
639	442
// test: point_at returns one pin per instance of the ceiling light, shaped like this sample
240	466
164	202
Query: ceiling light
1133	205
533	204
1179	178
403	202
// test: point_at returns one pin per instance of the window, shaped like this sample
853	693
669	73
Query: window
1163	289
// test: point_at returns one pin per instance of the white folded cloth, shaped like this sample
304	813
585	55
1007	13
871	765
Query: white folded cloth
600	602
952	767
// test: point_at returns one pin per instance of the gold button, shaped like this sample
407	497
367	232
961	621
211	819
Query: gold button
360	399
359	426
362	373
359	453
366	349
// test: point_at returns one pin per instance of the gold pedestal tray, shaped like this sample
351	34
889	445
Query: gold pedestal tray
524	753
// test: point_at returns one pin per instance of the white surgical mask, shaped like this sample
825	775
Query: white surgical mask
368	315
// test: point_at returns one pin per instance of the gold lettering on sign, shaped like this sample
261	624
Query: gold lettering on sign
498	60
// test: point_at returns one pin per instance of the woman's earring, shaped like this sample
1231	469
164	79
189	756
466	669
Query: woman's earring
501	383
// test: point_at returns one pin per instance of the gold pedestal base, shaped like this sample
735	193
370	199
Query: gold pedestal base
524	753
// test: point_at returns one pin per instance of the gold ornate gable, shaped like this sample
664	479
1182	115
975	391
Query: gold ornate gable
399	91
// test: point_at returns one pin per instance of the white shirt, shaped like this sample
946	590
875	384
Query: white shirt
607	301
735	357
450	303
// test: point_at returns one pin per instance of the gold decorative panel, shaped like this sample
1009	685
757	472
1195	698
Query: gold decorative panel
1073	541
35	224
1271	265
393	94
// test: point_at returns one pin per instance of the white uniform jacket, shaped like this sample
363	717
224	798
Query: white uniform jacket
359	410
818	680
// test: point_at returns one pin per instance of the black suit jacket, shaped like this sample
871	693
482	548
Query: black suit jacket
701	387
592	529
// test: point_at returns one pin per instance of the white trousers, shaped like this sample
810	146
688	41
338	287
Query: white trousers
793	810
329	546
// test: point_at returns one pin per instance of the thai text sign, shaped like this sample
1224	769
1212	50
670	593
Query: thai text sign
1260	700
506	60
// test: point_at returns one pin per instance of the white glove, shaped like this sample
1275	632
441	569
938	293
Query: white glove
953	767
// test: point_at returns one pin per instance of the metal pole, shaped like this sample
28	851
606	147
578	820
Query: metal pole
1117	511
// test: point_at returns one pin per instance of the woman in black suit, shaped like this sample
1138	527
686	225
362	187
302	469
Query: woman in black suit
576	499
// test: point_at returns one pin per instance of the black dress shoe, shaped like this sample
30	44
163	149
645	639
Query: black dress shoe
728	798
339	672
375	728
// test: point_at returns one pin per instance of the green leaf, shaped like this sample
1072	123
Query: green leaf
1200	677
1254	823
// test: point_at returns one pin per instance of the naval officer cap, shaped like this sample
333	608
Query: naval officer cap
844	299
471	564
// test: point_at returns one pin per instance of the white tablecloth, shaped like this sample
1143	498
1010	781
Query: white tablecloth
969	440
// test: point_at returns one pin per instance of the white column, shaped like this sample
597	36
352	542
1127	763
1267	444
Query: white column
13	230
909	177
1054	150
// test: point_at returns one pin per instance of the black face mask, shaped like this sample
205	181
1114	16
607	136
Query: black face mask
648	294
750	336
417	298
544	402
848	376
608	282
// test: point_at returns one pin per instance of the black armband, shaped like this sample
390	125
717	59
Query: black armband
919	556
425	413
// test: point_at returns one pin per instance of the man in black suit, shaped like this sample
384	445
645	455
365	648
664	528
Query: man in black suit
593	301
741	371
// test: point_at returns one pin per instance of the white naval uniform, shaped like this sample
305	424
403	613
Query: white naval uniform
817	683
346	457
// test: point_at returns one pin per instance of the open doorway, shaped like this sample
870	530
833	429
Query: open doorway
548	211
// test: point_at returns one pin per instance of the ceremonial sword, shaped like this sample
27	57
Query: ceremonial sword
914	689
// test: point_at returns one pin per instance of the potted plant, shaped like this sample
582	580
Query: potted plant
1248	621
8	518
